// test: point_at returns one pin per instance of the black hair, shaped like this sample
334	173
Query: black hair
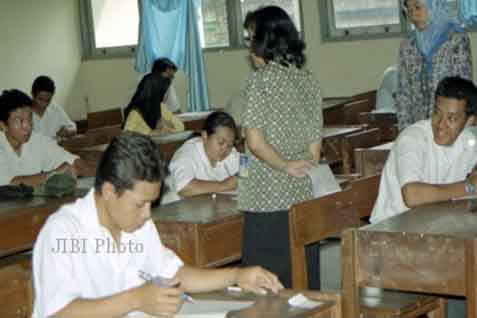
276	37
148	97
461	89
43	84
249	21
130	157
162	64
216	120
10	101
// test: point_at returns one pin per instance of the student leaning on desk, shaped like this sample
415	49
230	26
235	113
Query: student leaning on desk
25	156
433	160
91	256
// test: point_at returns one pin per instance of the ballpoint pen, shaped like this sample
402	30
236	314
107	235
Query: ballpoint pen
162	282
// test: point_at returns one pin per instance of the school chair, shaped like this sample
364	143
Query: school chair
364	192
110	117
370	95
370	161
386	122
363	139
103	135
316	220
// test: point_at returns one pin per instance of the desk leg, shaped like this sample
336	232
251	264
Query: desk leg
470	269
349	270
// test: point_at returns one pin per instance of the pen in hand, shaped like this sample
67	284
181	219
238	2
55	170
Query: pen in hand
162	282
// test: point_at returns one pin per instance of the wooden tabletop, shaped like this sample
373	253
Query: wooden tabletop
334	131
454	218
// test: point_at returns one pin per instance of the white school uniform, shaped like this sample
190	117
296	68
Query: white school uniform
74	257
52	121
38	154
191	162
415	157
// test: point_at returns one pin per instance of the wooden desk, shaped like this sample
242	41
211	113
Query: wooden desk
332	140
22	219
202	231
370	161
333	110
276	306
429	249
194	121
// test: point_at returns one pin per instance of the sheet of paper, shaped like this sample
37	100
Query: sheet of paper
300	301
323	180
205	309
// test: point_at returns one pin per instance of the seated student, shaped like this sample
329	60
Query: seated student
25	156
432	160
146	112
205	164
167	68
118	241
49	119
387	90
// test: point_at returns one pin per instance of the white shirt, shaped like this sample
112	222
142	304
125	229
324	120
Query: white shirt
63	274
38	154
191	162
415	157
53	119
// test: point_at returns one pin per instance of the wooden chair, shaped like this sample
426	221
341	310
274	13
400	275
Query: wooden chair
110	117
364	139
16	291
334	115
386	122
370	161
316	220
364	192
352	109
103	135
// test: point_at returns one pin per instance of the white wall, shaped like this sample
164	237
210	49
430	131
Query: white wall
39	37
343	68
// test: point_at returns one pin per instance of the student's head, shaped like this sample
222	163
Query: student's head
422	13
128	180
165	67
42	92
276	38
148	97
218	135
455	107
16	116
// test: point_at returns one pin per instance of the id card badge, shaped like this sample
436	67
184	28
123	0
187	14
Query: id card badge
243	165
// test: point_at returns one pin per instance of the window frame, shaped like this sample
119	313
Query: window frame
235	29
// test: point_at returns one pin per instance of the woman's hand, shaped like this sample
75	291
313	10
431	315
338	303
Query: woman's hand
298	168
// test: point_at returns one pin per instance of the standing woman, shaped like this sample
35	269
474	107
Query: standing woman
283	126
146	113
438	47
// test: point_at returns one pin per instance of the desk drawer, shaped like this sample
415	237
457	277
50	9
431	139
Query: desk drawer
221	243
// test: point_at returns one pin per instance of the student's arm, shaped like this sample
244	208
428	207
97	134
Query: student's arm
255	279
147	298
83	168
315	150
196	186
264	151
36	179
418	193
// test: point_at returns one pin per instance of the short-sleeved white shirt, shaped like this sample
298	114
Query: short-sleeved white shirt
74	257
191	162
415	157
52	120
38	154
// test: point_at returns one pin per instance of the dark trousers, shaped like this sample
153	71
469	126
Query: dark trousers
266	242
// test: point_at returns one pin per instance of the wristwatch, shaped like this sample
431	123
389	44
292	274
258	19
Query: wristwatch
469	186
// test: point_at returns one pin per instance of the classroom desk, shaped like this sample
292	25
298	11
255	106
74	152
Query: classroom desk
332	139
202	231
21	220
333	110
370	161
194	120
276	306
429	249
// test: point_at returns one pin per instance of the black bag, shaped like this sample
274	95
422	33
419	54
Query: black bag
16	191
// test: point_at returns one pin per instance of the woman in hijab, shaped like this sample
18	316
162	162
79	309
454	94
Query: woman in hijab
437	47
146	113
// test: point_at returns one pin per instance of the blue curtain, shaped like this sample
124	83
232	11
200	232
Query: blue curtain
468	11
168	28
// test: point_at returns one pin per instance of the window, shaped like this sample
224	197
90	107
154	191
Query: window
110	27
345	18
